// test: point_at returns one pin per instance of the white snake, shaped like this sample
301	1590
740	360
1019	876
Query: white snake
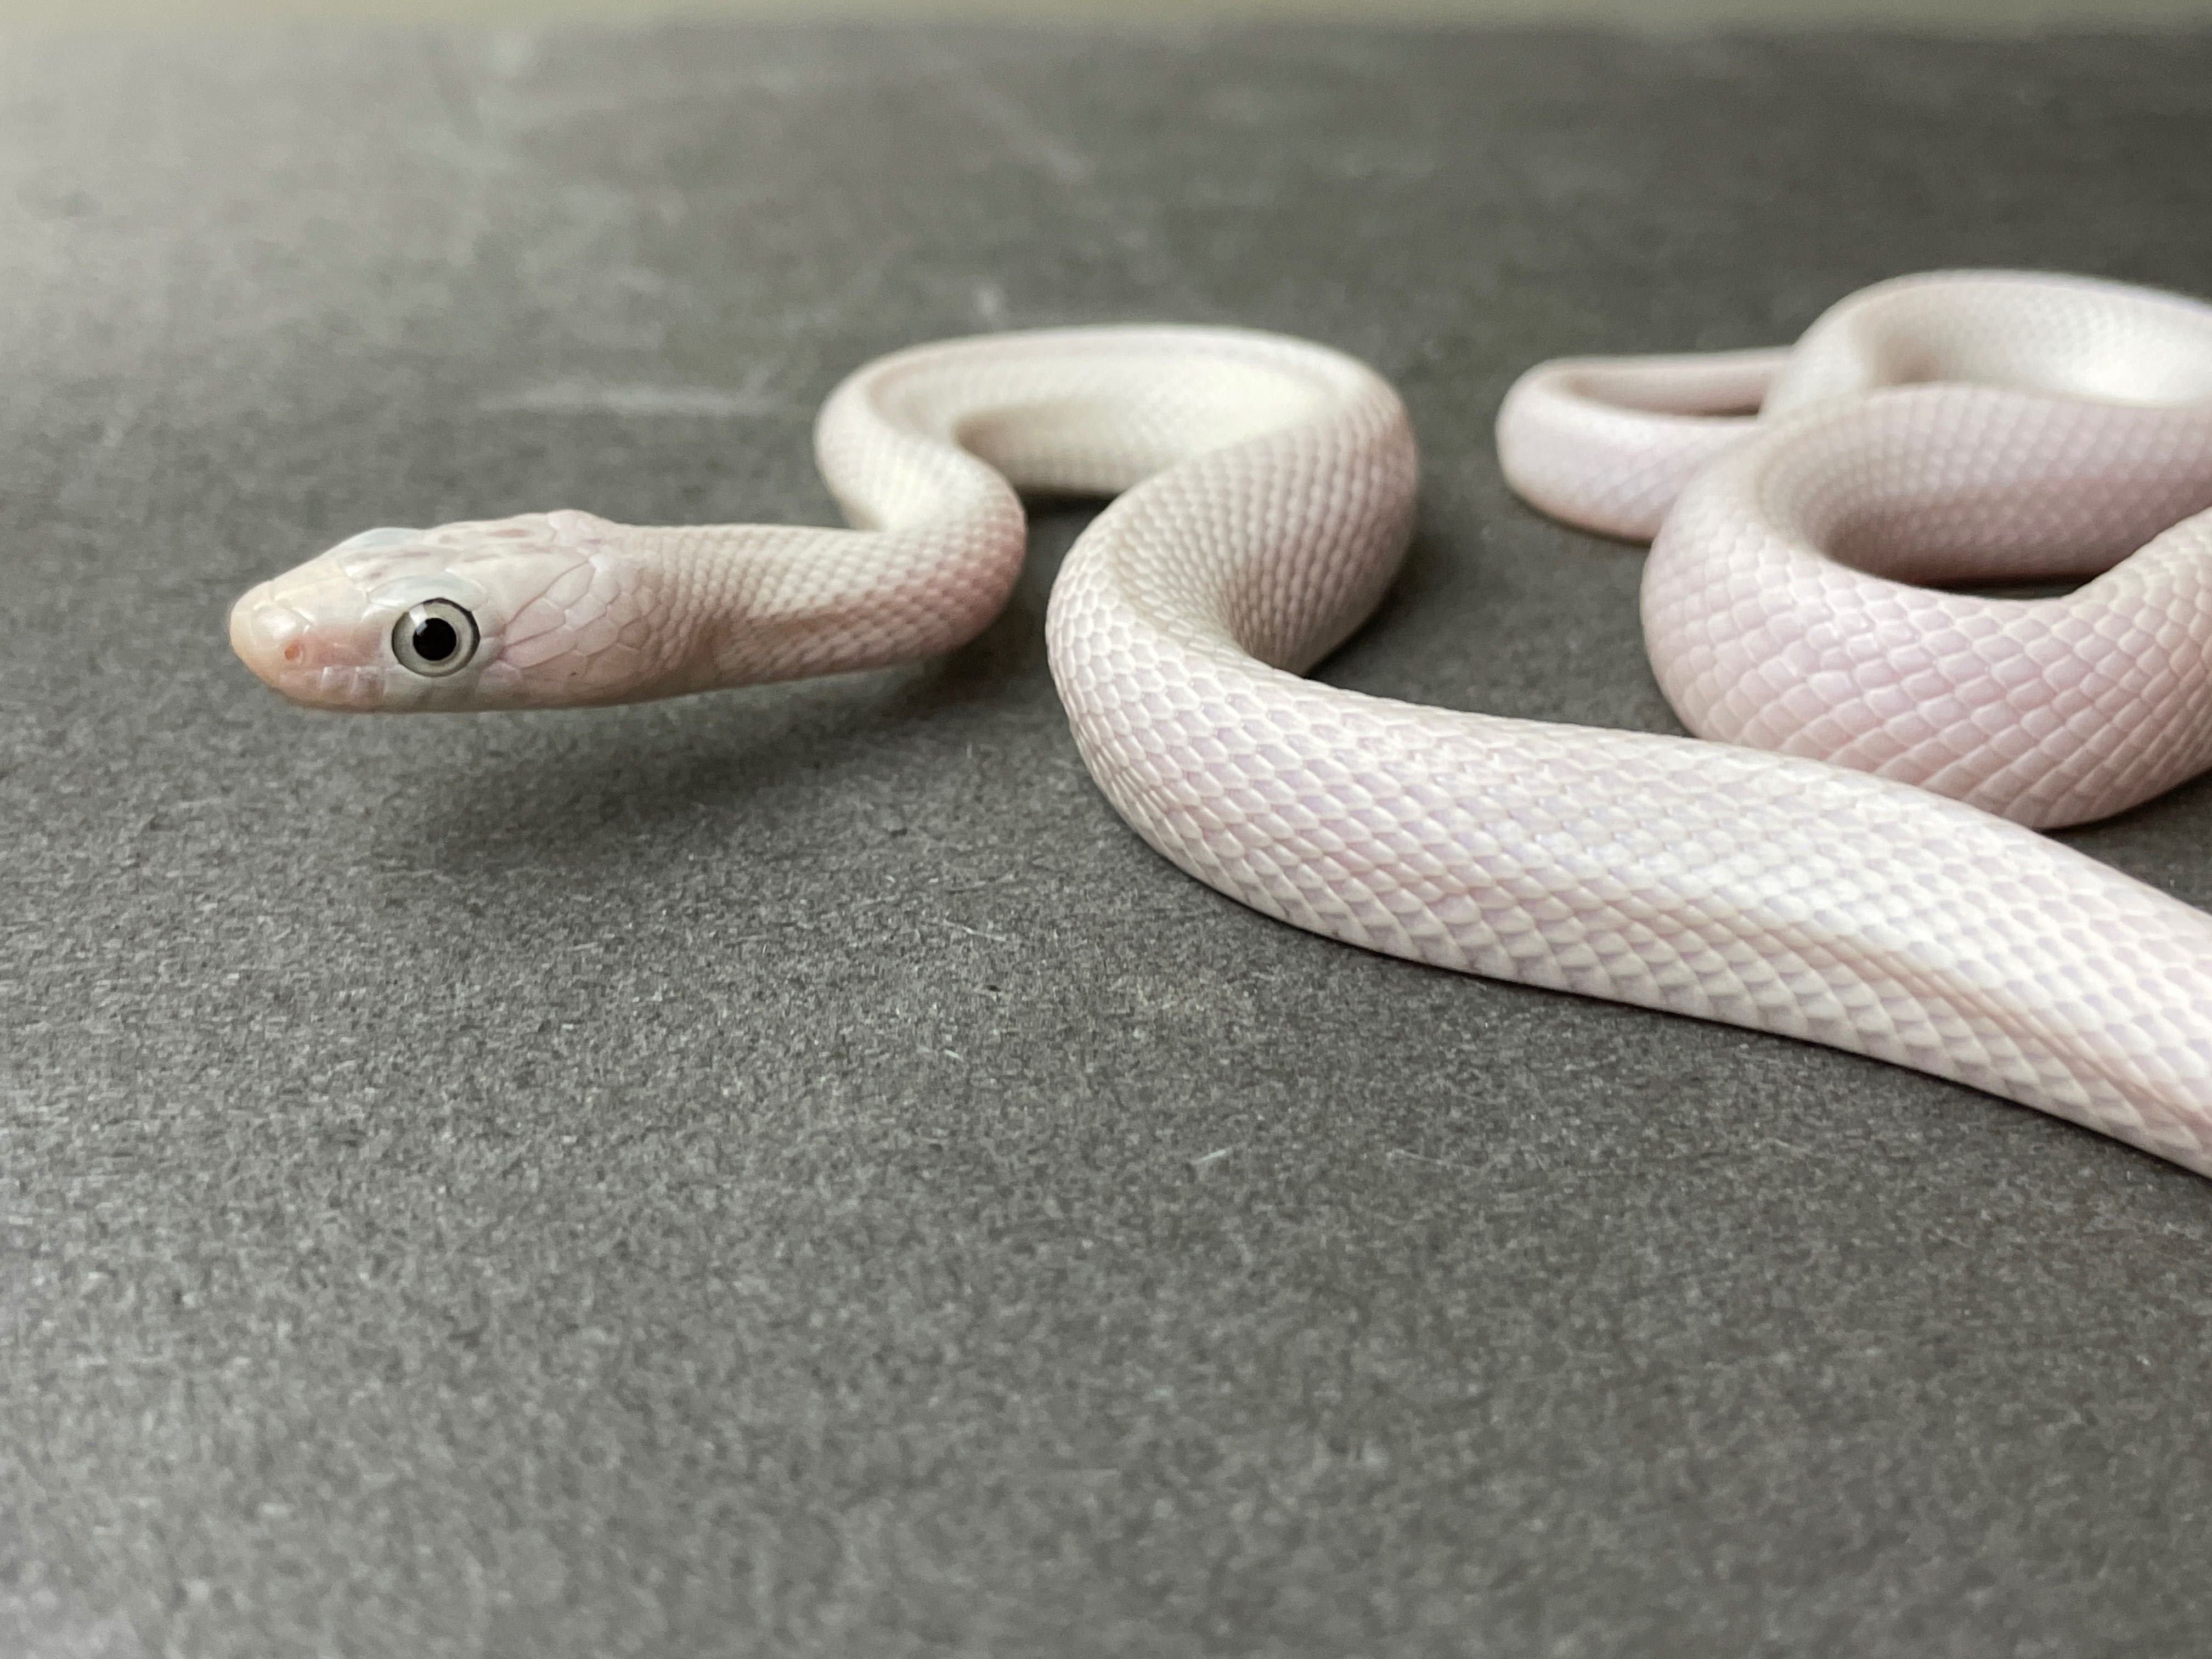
1265	493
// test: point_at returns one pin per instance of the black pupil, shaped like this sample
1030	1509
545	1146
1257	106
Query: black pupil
435	640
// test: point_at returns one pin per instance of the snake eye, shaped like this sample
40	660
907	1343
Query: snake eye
434	638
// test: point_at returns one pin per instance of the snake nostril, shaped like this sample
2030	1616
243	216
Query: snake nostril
266	635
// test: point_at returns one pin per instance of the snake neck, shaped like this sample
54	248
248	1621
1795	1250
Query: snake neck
926	451
745	605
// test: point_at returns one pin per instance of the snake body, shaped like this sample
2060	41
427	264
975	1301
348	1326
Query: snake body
1264	491
1963	428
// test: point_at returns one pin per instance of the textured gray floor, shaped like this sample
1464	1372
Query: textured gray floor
789	1172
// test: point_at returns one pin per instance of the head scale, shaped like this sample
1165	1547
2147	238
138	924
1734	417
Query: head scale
532	611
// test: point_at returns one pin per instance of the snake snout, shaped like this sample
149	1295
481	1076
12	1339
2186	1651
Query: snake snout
312	644
266	635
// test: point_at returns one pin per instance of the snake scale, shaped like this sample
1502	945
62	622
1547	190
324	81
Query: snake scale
1856	863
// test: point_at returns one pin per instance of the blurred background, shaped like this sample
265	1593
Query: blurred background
1997	16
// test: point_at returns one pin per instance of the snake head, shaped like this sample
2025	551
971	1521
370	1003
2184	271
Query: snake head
544	609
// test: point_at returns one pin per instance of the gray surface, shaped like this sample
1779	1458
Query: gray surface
789	1172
